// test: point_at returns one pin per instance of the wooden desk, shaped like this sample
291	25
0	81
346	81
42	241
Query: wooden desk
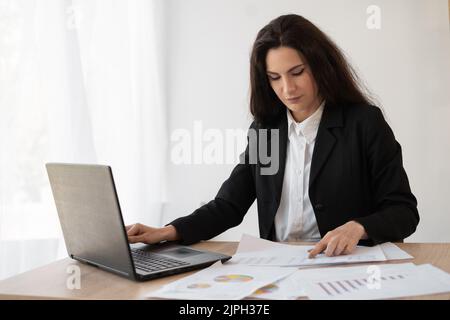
49	282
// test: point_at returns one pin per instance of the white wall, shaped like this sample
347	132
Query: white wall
406	64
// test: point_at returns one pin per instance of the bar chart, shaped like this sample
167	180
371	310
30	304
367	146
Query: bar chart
339	287
375	282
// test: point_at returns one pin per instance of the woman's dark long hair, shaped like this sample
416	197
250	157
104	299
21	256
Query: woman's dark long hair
336	80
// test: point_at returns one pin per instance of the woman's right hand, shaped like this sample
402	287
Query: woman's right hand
142	233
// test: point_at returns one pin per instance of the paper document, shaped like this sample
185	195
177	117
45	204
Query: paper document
294	285
392	252
223	282
288	288
256	251
373	282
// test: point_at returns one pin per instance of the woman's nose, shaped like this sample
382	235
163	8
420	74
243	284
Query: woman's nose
288	87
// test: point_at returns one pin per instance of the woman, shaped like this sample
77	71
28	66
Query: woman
340	180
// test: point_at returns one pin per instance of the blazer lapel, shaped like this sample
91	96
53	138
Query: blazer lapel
283	137
325	140
331	117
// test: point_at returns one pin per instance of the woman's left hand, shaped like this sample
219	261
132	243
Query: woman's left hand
342	240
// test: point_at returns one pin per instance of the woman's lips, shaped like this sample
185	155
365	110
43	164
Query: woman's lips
293	100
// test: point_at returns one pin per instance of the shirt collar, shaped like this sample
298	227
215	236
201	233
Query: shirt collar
308	127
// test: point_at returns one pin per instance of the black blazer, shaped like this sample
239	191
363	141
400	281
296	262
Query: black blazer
356	174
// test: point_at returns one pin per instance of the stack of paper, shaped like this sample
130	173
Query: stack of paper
359	283
259	252
222	282
373	282
268	270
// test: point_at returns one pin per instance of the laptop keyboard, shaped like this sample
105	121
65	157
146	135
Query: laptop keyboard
151	262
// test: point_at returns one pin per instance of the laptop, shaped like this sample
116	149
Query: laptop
94	232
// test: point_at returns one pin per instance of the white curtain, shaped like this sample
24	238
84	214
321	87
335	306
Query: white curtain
80	81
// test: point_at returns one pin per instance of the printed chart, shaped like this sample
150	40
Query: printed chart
339	287
233	278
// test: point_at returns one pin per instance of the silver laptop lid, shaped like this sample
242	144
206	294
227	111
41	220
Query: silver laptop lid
90	215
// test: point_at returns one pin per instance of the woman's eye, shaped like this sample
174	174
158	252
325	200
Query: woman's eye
298	72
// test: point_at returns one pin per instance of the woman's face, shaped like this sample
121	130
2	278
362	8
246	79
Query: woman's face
292	81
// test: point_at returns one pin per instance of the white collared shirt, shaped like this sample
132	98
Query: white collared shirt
295	219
